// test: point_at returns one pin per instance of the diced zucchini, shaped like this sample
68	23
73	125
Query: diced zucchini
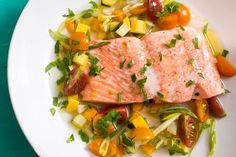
81	60
113	25
73	102
138	26
82	28
123	30
104	147
109	2
79	121
138	121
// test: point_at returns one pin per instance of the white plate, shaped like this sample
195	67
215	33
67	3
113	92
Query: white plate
32	48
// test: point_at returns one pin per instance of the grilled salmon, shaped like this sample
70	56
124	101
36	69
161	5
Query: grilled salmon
183	68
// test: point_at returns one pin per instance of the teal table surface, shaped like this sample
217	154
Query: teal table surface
12	140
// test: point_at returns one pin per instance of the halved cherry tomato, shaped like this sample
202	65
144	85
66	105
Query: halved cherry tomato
216	107
154	6
188	130
76	83
139	9
70	26
169	21
95	145
120	15
225	68
78	41
122	110
201	109
141	134
184	15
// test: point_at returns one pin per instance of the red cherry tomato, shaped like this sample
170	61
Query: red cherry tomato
122	110
76	83
154	6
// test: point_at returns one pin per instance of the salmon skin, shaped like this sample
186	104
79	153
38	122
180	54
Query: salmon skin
183	68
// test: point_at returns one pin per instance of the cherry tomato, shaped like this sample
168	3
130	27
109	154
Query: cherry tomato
225	68
201	109
216	107
184	15
123	111
139	9
120	15
76	83
95	145
154	6
169	21
188	130
78	41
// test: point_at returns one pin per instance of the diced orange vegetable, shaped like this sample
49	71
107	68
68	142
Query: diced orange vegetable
113	149
139	9
78	41
225	68
137	107
95	25
141	134
148	149
95	145
89	114
70	26
111	128
120	15
138	121
201	109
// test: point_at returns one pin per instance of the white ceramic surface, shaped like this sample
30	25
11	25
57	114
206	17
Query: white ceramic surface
31	93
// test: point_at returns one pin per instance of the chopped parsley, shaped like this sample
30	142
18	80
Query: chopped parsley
57	47
70	138
141	84
133	78
75	42
119	97
190	61
160	56
53	111
179	37
55	101
171	44
225	53
145	67
122	64
149	62
227	91
195	43
103	43
130	63
94	69
190	83
84	137
168	9
69	14
205	28
182	28
200	74
127	142
160	95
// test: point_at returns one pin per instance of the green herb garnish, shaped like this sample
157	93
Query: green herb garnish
160	56
133	78
70	139
130	63
149	63
127	142
225	53
53	111
75	42
84	137
205	28
69	14
179	37
168	9
57	47
182	28
190	83
190	61
200	75
94	69
160	95
119	97
141	84
195	43
171	44
122	64
98	45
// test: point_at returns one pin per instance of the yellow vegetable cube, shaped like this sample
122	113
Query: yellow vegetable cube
138	26
101	35
101	17
81	60
148	149
82	28
138	121
126	21
79	121
109	2
123	30
90	113
73	103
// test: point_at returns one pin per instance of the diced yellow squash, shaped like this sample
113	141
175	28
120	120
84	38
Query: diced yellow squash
123	30
138	26
113	25
82	28
101	17
138	121
109	2
126	21
79	121
90	113
101	35
73	103
81	60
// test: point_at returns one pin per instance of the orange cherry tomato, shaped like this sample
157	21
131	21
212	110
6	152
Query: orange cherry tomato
142	134
78	41
70	26
167	22
225	68
95	145
184	15
120	15
95	25
139	9
201	109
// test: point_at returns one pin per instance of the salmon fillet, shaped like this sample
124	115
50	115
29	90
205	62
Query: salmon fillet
104	88
179	74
